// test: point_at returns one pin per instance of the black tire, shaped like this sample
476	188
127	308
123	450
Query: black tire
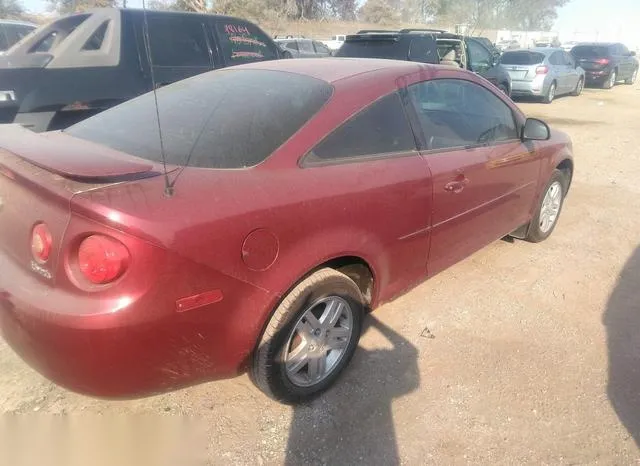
632	79
579	87
611	80
535	232
269	370
551	93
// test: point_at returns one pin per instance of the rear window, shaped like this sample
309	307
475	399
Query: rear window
521	58
244	42
222	119
377	48
589	51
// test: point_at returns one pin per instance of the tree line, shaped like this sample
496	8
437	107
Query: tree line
483	14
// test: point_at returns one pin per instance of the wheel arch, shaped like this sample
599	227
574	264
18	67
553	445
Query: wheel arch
566	167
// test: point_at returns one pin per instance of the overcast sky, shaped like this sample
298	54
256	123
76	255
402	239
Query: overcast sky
612	20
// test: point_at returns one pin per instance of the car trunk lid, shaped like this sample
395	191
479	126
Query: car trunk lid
522	65
39	174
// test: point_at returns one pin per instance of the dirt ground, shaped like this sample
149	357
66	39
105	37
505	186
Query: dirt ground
523	353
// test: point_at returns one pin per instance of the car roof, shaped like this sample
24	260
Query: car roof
542	50
335	69
598	44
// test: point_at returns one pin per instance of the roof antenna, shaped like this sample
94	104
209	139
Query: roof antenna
168	186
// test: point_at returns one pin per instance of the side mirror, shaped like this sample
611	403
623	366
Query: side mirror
535	130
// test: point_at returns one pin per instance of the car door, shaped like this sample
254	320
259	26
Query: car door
558	72
373	160
306	48
484	177
626	62
179	47
572	71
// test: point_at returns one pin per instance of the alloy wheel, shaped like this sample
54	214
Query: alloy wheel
550	207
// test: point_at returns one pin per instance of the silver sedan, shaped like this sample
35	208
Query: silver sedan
543	72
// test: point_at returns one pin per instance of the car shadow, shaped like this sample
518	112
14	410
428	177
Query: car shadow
622	321
353	422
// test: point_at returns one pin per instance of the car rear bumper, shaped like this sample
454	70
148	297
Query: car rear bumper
126	347
593	77
528	88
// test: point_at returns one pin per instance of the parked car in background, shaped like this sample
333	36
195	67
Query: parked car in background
507	45
343	186
13	31
487	43
567	46
84	63
335	42
428	46
606	63
543	72
303	48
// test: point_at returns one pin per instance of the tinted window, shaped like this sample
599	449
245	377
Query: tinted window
95	41
293	45
423	50
244	42
381	128
589	51
374	49
223	119
479	56
306	46
521	58
455	113
4	45
177	43
556	59
321	48
568	59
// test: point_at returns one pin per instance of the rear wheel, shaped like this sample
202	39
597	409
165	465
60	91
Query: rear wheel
579	87
611	81
310	338
551	94
548	212
632	79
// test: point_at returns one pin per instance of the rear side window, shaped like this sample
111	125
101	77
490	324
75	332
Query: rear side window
321	48
381	128
521	58
95	41
293	45
222	119
178	43
243	42
306	46
556	59
423	50
589	51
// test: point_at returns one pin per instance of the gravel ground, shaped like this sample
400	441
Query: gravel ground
521	354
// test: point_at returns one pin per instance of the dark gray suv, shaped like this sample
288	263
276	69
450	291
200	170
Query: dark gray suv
429	46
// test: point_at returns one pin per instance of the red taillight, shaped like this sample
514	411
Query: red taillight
102	259
602	61
542	70
41	242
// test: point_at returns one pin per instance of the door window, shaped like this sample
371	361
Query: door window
306	46
479	57
556	59
16	32
321	48
381	128
568	59
177	43
456	113
243	42
293	45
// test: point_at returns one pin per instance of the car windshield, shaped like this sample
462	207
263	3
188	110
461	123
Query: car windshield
521	58
589	51
222	119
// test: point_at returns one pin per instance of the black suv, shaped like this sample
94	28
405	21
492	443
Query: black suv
86	62
429	46
604	64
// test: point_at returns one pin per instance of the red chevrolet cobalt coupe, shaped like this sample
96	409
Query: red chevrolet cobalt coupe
293	196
